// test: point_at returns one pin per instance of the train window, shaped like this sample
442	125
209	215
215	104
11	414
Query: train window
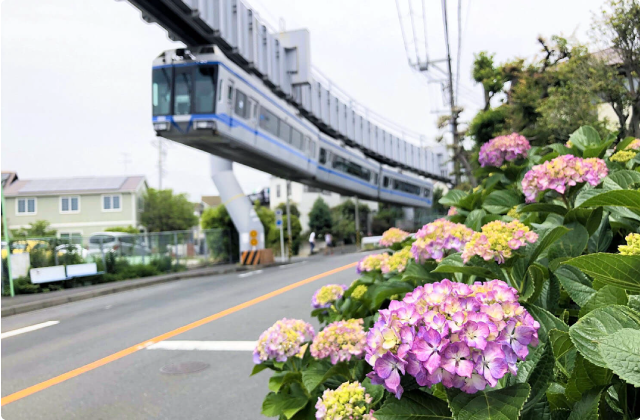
242	108
220	91
323	156
427	192
284	131
230	92
406	187
268	121
375	179
161	91
182	93
385	181
296	139
205	86
346	166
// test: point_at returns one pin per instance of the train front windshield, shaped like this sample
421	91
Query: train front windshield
184	90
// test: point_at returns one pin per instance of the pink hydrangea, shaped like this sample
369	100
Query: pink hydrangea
284	339
498	240
435	239
340	341
393	236
371	263
462	336
503	148
452	211
561	173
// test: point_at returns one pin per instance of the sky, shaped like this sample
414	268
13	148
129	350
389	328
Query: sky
76	75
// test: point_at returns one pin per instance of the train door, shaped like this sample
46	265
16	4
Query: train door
229	96
254	115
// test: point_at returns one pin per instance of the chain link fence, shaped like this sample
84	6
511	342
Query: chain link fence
118	255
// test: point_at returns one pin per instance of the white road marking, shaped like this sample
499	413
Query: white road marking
250	273
28	329
292	265
204	345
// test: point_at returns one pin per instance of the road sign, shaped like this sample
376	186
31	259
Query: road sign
254	242
279	218
279	225
253	233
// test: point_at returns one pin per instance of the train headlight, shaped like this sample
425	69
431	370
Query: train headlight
205	125
161	126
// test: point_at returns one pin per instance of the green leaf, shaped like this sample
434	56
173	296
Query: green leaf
621	351
538	411
414	405
283	404
622	198
594	327
502	404
608	295
469	270
376	392
602	237
560	343
585	136
623	178
540	376
452	198
532	284
258	368
624	143
570	245
556	397
543	208
382	291
587	407
474	219
596	151
586	376
634	302
547	321
319	371
279	379
594	220
575	283
614	269
543	243
414	271
500	202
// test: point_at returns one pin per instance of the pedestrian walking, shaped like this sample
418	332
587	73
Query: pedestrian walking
328	240
312	242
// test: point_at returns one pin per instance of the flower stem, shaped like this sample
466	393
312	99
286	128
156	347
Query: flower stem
566	202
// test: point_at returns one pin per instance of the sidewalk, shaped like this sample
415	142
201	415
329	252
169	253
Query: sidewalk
32	302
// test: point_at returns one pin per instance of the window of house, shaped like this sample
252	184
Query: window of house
71	237
112	202
70	204
25	206
278	191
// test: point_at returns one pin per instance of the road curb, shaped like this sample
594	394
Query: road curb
118	287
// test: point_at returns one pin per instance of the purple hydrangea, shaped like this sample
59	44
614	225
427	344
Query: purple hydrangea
503	148
340	341
434	240
284	339
462	336
326	295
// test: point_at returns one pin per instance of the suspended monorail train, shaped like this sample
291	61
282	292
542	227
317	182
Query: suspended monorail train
204	100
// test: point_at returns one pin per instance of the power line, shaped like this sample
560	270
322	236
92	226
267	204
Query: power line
424	21
413	29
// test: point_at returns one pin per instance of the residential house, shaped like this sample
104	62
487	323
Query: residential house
76	206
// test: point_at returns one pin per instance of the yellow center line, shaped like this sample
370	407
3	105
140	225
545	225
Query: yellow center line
122	353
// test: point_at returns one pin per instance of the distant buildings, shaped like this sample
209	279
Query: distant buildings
75	206
304	197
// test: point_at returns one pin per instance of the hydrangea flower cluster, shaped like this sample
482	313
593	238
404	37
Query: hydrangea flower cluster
393	236
514	212
633	245
326	295
359	291
623	156
340	341
283	340
434	239
562	172
498	240
397	262
634	145
464	336
452	211
503	148
348	401
371	262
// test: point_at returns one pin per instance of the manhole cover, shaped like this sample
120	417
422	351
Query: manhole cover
185	367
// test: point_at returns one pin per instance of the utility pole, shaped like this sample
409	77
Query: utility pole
452	101
289	219
159	163
357	225
6	238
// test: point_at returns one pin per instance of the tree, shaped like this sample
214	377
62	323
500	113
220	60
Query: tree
619	28
165	211
344	215
386	218
224	242
491	77
320	217
124	229
37	229
292	206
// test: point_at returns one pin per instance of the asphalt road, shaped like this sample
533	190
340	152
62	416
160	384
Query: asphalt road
130	385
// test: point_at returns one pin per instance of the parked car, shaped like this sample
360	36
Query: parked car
118	242
72	248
